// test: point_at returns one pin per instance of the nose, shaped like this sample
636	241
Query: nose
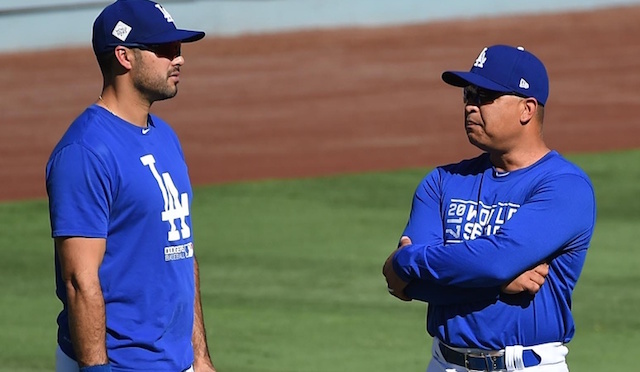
469	108
178	61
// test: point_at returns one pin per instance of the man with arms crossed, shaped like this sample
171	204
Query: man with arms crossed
119	200
495	244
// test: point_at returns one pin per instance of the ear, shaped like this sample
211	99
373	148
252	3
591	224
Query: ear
529	107
124	57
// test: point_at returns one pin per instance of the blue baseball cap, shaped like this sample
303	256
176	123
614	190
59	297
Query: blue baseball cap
504	68
131	22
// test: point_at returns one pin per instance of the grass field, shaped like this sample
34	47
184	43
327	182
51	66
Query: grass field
291	275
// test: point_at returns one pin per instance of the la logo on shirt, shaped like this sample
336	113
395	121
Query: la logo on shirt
176	206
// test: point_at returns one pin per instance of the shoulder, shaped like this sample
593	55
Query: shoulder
466	167
84	132
92	137
560	179
554	166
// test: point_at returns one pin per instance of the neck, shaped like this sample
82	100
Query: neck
124	105
517	159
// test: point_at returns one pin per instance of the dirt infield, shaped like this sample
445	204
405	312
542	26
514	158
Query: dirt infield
324	102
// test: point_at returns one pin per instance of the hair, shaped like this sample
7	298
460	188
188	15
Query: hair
136	53
540	113
109	65
107	62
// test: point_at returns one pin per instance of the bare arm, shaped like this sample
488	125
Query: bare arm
202	359
80	259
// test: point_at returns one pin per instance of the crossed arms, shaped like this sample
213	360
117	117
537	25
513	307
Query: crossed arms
558	215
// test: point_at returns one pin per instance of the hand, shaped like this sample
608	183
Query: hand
203	367
530	280
395	285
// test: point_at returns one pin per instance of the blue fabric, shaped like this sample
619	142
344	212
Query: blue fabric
473	230
98	368
107	178
129	22
504	68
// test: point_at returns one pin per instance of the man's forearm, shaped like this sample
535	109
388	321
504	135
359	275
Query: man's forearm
199	337
87	323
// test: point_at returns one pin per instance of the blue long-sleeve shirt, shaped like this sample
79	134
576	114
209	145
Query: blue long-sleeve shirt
474	229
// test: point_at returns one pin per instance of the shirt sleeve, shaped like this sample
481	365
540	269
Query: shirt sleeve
443	295
560	214
78	187
425	228
425	222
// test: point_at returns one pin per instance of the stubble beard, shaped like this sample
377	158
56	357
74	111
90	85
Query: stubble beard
154	87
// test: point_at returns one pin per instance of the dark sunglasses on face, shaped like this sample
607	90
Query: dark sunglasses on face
478	96
169	50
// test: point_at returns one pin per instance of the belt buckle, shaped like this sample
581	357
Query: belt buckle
490	361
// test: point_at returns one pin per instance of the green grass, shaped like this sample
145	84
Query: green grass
291	276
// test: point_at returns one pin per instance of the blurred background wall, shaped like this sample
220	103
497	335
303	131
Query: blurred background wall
43	24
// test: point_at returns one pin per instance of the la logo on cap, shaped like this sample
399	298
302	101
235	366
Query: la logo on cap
166	14
482	58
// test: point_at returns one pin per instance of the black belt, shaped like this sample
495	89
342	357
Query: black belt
484	362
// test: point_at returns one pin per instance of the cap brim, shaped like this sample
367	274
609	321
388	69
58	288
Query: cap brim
185	36
464	78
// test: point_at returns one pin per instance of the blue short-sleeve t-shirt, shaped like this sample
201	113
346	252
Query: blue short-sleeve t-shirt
107	178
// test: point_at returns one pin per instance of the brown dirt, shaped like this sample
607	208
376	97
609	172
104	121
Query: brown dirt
324	102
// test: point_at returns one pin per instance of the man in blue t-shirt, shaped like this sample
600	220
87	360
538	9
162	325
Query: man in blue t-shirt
120	202
495	244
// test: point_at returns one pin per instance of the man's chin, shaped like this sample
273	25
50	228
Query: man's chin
476	143
167	95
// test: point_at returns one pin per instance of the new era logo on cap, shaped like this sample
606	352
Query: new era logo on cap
507	69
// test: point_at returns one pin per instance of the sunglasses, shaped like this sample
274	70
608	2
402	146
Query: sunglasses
475	95
167	50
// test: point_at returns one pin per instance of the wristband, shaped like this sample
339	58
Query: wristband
98	368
